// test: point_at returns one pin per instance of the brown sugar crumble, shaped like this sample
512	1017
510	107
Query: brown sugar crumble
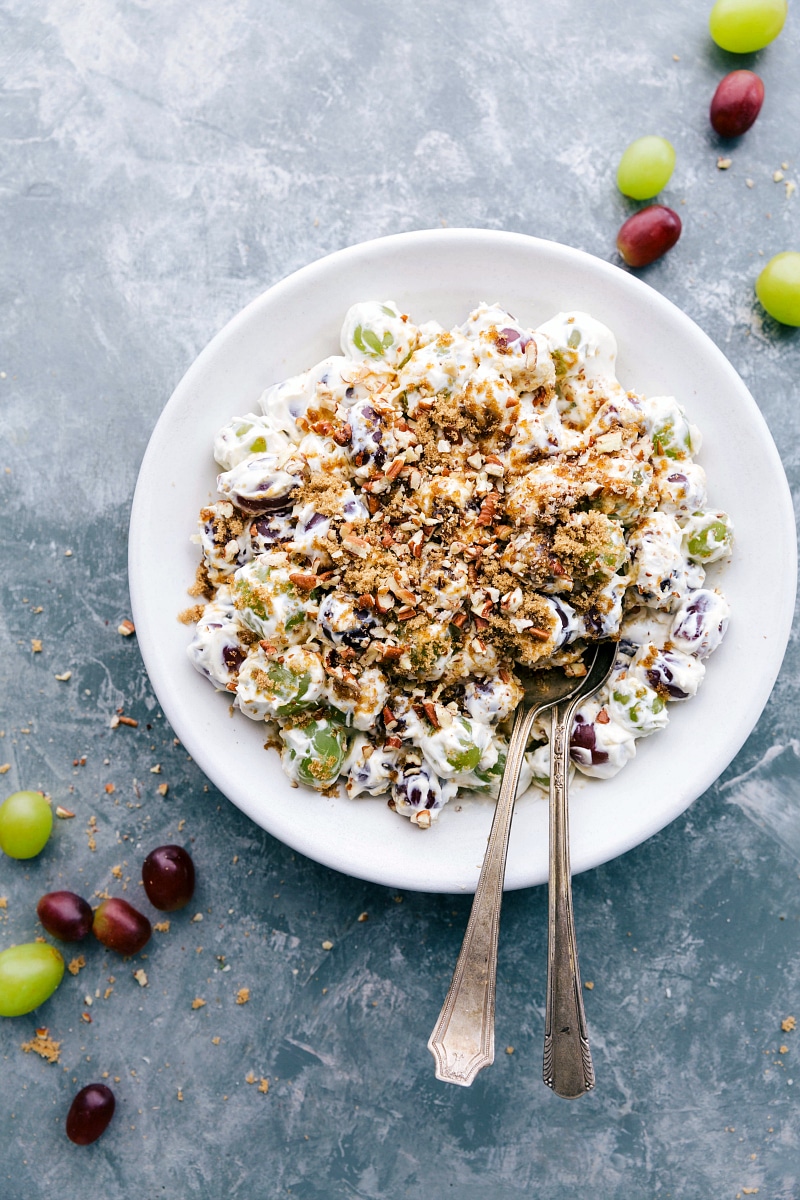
423	524
43	1045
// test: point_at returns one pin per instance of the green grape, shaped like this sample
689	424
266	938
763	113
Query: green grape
288	688
327	746
708	536
466	756
492	776
29	975
26	820
645	167
743	26
778	287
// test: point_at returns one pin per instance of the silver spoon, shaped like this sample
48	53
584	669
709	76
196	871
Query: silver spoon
462	1041
567	1066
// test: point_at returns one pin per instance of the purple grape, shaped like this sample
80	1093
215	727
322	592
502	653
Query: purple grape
419	788
65	915
90	1114
648	234
168	878
701	622
736	103
233	657
660	677
121	927
583	744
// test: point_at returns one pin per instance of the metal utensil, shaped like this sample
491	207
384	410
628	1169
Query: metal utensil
462	1041
567	1066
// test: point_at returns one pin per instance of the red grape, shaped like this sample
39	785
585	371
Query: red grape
168	878
648	234
65	915
121	927
736	103
90	1114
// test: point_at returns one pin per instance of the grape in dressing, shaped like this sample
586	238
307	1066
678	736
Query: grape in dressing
406	522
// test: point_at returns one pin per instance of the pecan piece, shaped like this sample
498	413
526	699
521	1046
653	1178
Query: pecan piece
304	580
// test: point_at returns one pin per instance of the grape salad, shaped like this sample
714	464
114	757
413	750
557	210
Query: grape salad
402	525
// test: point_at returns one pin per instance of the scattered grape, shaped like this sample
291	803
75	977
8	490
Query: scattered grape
90	1114
736	103
648	234
26	820
29	974
65	915
168	878
743	26
121	927
778	287
645	167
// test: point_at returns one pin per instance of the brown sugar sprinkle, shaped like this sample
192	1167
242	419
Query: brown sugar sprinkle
191	615
243	995
788	1024
43	1045
463	534
76	964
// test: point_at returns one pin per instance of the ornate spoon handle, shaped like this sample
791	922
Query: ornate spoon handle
567	1068
462	1042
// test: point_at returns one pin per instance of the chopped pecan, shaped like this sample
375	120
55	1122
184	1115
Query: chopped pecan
395	468
541	635
343	434
486	515
392	653
355	545
430	713
303	580
384	600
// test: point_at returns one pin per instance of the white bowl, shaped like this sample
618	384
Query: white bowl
443	275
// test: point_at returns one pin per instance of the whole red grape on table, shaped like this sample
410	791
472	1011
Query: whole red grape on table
736	103
168	878
90	1114
648	234
121	927
65	915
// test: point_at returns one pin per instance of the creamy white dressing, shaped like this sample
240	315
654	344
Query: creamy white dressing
572	437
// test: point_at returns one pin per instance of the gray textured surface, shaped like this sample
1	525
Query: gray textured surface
161	164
